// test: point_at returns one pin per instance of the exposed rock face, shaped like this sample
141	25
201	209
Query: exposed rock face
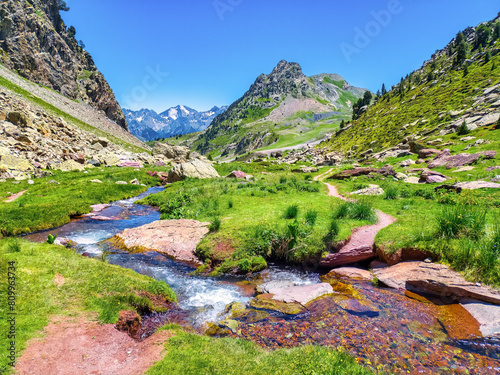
176	238
35	42
195	169
435	279
445	159
177	153
302	294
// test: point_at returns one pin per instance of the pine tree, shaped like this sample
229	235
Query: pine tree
483	34
487	58
342	124
496	31
459	39
497	125
461	53
466	70
463	129
384	91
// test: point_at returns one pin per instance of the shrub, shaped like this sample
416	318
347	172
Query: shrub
356	210
14	246
359	186
230	204
311	217
405	192
293	233
424	193
215	225
447	198
283	180
463	129
291	212
333	231
51	239
391	192
461	221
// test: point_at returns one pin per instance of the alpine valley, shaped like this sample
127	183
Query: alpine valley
310	227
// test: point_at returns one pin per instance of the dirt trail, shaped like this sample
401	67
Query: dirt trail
362	240
13	197
78	347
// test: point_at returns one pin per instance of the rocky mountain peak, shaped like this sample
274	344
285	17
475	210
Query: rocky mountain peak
36	44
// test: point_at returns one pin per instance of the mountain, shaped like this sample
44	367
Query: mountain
148	125
459	83
36	44
284	102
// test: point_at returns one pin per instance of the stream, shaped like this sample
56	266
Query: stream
383	328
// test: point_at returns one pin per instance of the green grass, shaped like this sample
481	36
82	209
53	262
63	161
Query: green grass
253	225
73	120
459	229
90	286
46	205
339	83
191	354
421	101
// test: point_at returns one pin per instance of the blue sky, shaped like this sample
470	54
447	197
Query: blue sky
200	53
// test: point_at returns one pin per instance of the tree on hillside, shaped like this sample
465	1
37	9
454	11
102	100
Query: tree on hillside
487	58
71	31
463	129
483	34
367	98
496	31
342	124
459	39
384	91
461	53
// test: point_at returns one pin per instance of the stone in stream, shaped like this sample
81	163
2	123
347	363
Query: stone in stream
302	294
435	279
487	315
272	286
350	273
175	238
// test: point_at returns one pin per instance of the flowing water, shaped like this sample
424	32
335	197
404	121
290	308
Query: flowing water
383	328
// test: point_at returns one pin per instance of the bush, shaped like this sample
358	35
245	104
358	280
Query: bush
215	225
291	212
461	221
333	231
356	211
51	239
230	204
424	193
391	192
463	129
311	217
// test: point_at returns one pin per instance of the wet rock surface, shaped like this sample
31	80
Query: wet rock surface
176	238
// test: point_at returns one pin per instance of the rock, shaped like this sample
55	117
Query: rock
415	147
128	321
266	301
130	164
445	159
110	160
12	163
371	190
69	165
121	182
491	169
436	279
431	177
104	142
53	182
473	185
271	286
350	273
176	238
427	152
412	180
401	176
236	174
19	119
96	181
343	175
302	294
95	163
489	119
135	181
62	241
463	169
467	139
305	169
31	182
193	169
487	315
406	163
177	153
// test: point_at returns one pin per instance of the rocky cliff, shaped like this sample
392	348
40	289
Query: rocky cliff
35	43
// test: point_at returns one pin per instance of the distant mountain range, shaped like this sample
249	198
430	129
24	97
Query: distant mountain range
148	125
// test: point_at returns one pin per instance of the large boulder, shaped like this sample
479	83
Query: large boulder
69	165
302	294
432	177
177	153
194	169
12	163
343	175
175	238
459	160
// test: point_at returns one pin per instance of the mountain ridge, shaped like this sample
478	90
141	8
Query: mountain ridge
149	125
